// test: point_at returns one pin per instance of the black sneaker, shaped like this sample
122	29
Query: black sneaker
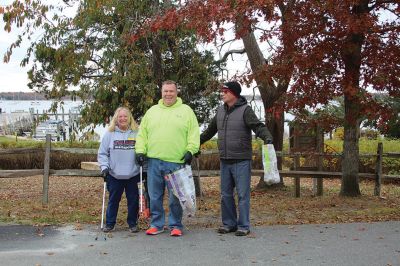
133	229
242	232
226	230
108	229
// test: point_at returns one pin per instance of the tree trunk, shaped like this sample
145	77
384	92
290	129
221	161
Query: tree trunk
274	120
157	60
271	88
350	160
276	123
351	55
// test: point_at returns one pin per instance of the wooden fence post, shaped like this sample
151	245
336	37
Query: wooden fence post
196	179
378	170
320	180
46	170
296	179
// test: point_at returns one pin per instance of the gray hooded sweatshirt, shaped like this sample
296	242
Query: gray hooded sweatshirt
117	153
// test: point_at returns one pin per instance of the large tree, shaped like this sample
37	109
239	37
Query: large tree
349	49
91	55
324	49
271	69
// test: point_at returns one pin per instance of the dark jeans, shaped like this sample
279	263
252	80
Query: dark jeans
235	175
116	188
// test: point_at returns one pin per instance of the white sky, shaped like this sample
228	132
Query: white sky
13	77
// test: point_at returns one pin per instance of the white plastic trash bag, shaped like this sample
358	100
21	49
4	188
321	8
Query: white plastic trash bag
182	184
271	173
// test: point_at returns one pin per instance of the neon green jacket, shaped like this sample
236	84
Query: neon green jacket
167	133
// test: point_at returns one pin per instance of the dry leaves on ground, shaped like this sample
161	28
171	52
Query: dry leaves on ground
77	200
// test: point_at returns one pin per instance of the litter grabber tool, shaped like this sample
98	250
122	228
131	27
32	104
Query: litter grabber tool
102	211
143	208
197	179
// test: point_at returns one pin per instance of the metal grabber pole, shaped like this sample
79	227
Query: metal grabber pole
102	210
141	191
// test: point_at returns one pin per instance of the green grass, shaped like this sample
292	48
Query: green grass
391	165
367	145
12	142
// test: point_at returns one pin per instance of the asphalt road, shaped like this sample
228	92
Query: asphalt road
329	244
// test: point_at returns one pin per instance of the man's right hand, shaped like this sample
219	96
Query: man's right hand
105	173
140	159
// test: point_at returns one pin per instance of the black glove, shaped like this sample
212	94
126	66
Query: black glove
268	141
105	173
187	158
140	159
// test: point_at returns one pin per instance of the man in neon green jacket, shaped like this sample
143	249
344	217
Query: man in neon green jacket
169	136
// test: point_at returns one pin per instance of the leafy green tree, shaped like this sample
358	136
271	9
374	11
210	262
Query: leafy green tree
93	53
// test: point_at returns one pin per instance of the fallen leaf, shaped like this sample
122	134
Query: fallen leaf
78	226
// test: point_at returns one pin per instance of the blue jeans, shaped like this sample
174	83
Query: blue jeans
156	185
235	175
116	187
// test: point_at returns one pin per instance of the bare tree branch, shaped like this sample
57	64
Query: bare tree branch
228	53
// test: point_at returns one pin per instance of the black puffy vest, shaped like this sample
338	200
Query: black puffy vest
234	137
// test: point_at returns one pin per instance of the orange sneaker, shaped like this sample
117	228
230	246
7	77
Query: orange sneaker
154	231
176	232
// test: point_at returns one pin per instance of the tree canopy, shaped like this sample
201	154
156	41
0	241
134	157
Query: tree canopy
91	55
322	49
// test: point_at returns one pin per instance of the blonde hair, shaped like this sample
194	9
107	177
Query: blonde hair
132	123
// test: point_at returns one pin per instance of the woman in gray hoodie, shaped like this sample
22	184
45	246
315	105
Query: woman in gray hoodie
116	157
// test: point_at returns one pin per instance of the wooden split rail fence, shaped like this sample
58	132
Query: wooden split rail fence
295	174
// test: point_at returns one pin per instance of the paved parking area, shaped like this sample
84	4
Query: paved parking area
326	244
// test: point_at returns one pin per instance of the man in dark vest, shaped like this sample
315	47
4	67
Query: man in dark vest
234	122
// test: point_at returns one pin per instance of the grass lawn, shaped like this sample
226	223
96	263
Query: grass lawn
77	200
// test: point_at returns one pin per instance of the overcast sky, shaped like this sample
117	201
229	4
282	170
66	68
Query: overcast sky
12	76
